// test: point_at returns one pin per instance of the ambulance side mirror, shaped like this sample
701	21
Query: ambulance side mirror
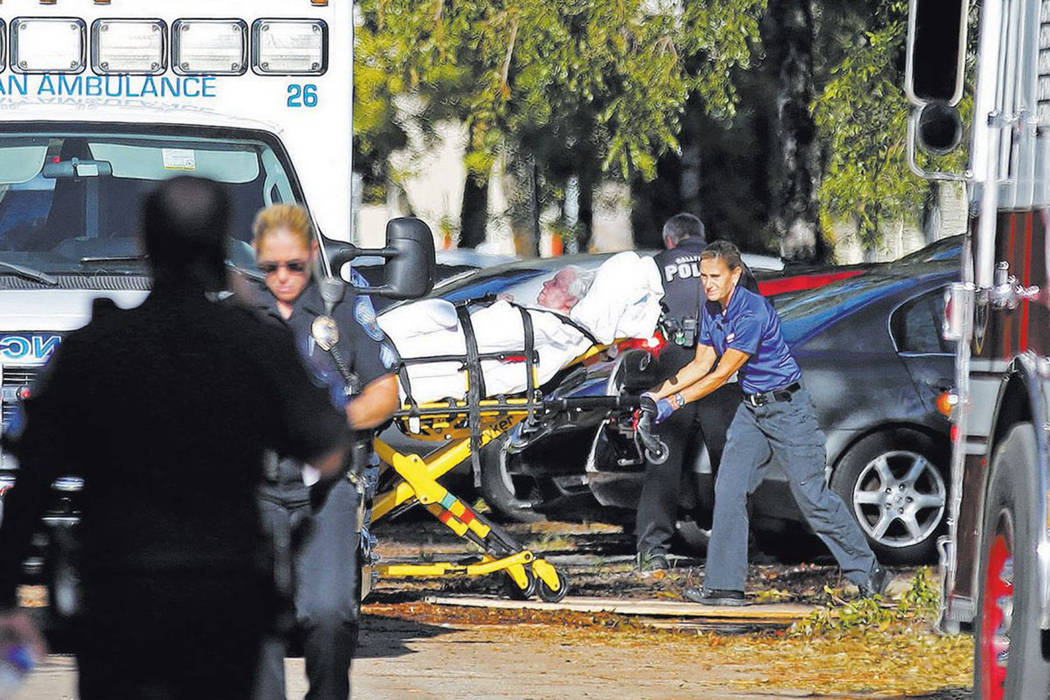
409	274
409	253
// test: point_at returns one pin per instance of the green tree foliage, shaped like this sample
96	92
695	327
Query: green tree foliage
862	114
608	78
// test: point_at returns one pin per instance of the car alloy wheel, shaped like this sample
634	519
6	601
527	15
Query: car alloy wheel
899	498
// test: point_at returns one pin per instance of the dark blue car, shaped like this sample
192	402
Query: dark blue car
873	359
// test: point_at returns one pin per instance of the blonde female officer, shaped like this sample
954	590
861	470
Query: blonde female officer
322	517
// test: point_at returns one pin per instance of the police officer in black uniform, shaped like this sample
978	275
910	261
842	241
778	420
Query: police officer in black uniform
315	527
679	267
166	410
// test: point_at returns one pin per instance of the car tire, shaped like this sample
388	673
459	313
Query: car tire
690	539
894	485
501	491
1008	601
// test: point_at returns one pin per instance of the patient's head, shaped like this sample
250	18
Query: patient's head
562	291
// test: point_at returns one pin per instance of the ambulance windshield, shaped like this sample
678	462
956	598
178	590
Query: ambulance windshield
70	198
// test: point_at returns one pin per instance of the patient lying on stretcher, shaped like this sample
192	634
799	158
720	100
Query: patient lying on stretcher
562	291
573	310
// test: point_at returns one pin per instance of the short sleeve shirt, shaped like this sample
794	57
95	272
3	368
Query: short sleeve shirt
751	326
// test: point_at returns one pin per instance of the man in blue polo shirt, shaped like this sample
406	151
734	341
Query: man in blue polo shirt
740	332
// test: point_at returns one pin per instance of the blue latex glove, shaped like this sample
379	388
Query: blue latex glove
659	409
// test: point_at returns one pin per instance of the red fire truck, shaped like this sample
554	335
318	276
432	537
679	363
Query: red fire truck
995	561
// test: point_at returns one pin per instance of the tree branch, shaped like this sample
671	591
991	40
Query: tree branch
505	73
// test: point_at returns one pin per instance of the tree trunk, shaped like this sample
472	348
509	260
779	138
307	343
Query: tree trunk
585	225
653	203
473	215
789	39
691	175
534	204
519	179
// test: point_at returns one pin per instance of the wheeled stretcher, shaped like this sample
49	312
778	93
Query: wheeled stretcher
465	426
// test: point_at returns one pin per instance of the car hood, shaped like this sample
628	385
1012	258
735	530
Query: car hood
56	309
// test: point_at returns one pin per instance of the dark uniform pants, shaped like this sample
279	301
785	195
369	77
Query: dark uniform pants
324	546
788	432
185	634
657	513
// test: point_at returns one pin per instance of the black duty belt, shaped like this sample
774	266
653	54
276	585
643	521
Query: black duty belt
782	394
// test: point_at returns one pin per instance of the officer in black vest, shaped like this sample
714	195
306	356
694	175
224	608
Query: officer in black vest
679	267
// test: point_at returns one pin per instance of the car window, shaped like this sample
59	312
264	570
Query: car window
946	249
480	285
916	325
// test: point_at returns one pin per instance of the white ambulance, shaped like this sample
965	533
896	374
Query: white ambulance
101	99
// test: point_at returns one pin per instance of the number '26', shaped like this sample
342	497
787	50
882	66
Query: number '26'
302	95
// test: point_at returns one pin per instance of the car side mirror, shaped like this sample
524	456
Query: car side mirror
409	254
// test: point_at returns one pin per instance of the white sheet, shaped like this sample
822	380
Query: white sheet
623	302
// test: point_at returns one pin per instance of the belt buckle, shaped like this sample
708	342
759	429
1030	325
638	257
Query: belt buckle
756	400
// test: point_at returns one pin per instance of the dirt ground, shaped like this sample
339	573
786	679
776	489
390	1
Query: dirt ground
411	648
511	653
403	658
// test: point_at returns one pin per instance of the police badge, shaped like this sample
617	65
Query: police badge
325	332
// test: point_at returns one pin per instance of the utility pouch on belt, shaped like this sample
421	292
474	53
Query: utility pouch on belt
682	330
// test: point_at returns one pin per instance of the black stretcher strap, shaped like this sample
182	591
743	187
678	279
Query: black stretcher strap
530	341
555	405
475	391
402	374
501	355
471	362
570	322
490	299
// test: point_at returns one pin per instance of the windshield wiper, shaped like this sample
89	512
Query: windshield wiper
251	274
29	273
97	259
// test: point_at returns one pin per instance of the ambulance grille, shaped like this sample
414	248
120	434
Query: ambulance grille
132	283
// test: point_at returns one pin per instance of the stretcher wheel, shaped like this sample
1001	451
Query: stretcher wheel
550	596
659	453
511	590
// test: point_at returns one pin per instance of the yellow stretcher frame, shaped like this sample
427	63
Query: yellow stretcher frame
418	483
449	421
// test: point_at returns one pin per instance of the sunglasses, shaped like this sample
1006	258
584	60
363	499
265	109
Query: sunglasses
295	266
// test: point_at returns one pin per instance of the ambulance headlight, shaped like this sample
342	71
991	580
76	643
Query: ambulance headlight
48	45
289	47
210	46
134	46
